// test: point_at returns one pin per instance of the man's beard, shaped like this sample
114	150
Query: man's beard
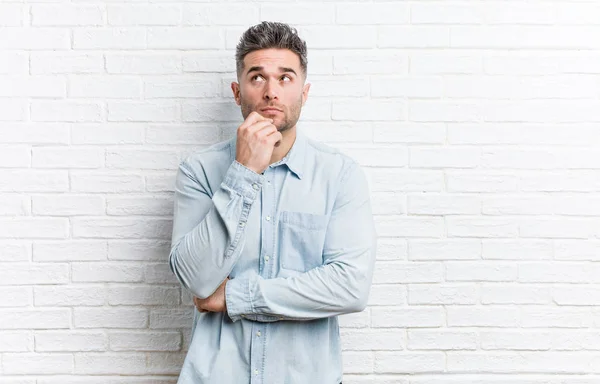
289	119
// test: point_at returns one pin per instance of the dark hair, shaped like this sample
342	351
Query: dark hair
270	34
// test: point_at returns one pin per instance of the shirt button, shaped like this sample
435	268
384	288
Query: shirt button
268	218
258	333
242	224
255	186
256	371
267	258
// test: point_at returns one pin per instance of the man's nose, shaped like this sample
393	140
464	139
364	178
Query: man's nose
270	91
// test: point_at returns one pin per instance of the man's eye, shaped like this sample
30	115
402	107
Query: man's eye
286	77
256	76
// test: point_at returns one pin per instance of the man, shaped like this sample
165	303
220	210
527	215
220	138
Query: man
273	233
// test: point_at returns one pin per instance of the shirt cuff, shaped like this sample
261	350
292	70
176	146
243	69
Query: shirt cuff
244	181
237	298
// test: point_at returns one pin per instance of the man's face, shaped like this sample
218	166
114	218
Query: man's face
272	78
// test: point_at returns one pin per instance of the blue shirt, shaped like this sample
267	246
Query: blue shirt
298	243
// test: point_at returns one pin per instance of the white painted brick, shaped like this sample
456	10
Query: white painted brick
368	14
512	340
378	156
94	363
143	63
295	14
117	133
24	228
438	157
123	206
142	159
110	38
33	181
434	111
161	274
122	228
13	110
69	251
14	63
402	272
209	61
34	133
536	316
339	86
473	226
488	316
15	342
372	340
552	181
15	156
516	249
369	110
104	380
319	37
72	295
16	296
357	362
561	272
106	272
67	111
110	317
181	86
578	228
34	273
14	251
39	363
160	363
108	182
477	181
160	182
387	294
67	205
435	294
440	62
193	111
140	15
145	341
45	63
142	111
140	250
355	320
69	341
540	13
446	13
15	205
413	87
392	249
413	37
403	180
220	14
53	157
171	318
356	62
184	38
420	339
66	15
165	134
432	204
446	249
32	86
409	226
12	15
339	132
573	250
403	362
35	38
35	319
515	294
388	203
143	295
109	87
480	271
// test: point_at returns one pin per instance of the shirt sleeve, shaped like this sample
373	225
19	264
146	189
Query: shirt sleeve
341	285
209	229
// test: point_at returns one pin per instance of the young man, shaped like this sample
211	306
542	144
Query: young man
273	233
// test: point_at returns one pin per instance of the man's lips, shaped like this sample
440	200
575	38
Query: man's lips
270	110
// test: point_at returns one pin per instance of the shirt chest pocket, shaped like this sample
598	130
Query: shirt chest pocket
301	240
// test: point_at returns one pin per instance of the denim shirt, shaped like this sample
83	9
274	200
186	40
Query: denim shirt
298	244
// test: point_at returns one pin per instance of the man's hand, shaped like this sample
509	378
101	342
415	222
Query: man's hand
215	302
256	139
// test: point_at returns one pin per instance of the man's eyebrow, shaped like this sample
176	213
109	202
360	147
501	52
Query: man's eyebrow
282	69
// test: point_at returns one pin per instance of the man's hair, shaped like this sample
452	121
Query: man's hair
270	34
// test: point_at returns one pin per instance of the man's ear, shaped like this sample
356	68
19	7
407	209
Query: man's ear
235	87
305	90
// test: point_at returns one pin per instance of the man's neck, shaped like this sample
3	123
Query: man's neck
289	137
